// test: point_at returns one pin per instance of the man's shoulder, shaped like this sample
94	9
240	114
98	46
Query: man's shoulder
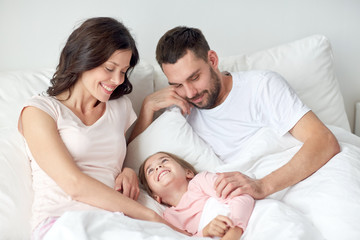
254	74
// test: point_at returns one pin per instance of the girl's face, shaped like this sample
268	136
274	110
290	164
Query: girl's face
163	173
101	81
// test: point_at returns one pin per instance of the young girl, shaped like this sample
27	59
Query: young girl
191	198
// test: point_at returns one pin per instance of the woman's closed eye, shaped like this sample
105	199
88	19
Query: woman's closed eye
109	69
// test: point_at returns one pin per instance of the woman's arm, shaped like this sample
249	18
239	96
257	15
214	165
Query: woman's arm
51	154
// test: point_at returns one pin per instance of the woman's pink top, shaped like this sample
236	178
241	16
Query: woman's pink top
99	151
186	215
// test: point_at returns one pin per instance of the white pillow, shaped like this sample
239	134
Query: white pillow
171	133
307	65
142	80
15	186
16	88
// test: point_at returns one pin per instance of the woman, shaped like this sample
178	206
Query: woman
76	134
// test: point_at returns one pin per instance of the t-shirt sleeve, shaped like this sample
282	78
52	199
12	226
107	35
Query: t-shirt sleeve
279	105
42	103
241	208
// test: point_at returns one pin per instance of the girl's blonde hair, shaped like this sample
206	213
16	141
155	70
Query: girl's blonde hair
182	162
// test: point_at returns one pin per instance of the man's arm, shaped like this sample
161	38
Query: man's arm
320	145
154	102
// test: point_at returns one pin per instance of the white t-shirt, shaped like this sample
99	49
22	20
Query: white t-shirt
98	150
257	99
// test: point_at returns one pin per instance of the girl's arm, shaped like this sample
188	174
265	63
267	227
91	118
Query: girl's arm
221	226
234	233
51	154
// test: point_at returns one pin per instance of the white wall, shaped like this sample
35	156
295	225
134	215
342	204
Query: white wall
32	32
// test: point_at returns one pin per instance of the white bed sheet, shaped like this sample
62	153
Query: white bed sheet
324	206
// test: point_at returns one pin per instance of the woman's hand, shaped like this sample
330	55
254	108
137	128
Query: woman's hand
217	227
127	183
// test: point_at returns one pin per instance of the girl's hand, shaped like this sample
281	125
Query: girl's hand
217	227
127	183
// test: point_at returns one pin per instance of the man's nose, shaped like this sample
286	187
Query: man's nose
190	91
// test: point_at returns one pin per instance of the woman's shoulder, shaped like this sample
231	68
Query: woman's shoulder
120	104
48	104
121	100
42	99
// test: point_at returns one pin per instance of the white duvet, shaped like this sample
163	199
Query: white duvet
326	205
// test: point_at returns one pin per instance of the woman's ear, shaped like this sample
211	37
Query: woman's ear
189	174
213	59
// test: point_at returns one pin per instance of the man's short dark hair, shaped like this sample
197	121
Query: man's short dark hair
175	43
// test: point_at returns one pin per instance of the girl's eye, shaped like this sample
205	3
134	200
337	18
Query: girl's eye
164	160
150	171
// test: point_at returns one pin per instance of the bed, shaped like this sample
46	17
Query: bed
326	205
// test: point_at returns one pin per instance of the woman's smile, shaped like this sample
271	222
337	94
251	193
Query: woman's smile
107	88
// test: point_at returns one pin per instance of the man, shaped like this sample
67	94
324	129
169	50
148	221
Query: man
227	109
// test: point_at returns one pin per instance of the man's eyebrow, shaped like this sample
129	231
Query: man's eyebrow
191	76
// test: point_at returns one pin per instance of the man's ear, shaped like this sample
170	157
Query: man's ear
189	174
213	59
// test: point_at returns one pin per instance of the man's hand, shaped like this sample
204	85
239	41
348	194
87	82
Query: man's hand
154	102
127	183
217	227
166	97
231	184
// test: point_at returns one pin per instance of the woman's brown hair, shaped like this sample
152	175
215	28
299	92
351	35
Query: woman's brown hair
89	46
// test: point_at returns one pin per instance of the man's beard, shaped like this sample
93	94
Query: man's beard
212	94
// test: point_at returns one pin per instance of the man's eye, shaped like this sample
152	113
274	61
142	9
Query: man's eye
195	78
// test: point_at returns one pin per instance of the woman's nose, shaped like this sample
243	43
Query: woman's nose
159	166
117	79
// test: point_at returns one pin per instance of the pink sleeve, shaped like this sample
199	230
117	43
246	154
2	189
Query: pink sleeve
204	182
241	208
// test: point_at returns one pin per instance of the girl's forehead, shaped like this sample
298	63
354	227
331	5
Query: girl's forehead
155	157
